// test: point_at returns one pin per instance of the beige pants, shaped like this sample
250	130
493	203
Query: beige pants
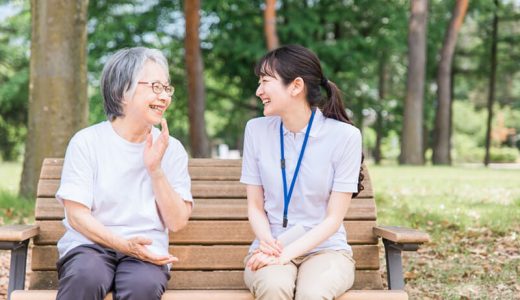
325	274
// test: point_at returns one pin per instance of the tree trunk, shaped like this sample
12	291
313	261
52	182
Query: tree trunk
412	135
379	115
270	24
441	142
58	103
196	95
492	76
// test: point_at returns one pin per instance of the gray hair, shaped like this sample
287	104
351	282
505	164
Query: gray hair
119	76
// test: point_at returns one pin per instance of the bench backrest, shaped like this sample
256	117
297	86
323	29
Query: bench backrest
212	247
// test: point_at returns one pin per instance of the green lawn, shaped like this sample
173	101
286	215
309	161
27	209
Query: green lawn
12	208
454	196
473	217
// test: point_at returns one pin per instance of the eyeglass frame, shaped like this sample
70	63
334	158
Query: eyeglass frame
162	87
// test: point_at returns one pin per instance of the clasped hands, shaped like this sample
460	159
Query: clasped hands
267	254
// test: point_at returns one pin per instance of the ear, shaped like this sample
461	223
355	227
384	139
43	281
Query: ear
297	86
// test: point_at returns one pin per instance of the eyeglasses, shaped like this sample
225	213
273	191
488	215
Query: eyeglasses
158	87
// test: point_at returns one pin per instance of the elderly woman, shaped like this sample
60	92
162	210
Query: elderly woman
125	183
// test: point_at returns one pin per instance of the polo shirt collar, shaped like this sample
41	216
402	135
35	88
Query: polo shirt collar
319	118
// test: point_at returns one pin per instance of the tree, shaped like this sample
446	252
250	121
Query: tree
492	76
270	25
196	95
58	104
412	134
442	131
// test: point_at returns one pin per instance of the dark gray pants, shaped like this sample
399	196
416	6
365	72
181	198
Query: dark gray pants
91	271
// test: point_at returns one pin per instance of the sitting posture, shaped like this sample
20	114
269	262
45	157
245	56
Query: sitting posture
302	165
124	184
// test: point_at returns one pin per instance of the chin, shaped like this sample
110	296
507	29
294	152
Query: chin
268	112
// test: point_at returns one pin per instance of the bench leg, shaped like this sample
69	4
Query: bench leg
394	263
18	267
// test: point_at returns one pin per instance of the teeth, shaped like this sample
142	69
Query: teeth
155	107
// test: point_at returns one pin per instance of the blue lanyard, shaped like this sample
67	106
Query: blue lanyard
287	196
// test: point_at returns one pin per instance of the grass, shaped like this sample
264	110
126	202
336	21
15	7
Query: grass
13	209
455	196
473	218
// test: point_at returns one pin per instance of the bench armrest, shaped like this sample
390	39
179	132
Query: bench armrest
398	239
18	233
401	235
16	239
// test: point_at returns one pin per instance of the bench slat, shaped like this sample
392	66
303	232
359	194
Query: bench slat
223	295
196	257
214	233
196	172
210	209
199	162
218	280
201	170
199	189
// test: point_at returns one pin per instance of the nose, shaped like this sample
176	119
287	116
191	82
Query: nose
164	97
259	91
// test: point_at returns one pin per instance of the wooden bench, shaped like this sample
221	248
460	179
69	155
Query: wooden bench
212	247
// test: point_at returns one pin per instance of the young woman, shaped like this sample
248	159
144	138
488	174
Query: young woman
301	165
124	184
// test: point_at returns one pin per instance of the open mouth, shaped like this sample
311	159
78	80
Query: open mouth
157	108
265	101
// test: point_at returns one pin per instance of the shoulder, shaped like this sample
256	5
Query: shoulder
262	124
89	134
341	130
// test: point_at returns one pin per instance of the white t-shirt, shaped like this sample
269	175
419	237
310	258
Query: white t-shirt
106	173
331	162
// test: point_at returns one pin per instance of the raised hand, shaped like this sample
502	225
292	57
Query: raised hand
154	151
136	247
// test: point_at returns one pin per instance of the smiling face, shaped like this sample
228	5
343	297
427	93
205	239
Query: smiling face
274	95
146	106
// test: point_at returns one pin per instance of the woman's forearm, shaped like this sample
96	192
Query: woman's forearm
174	211
336	210
81	219
311	239
256	214
260	224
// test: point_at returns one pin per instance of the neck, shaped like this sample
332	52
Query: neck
130	131
297	119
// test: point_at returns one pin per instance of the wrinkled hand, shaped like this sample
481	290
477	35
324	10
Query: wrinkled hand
154	151
137	248
260	260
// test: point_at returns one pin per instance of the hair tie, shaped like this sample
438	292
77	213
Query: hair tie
324	81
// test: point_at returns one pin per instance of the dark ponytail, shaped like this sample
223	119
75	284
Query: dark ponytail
333	108
292	61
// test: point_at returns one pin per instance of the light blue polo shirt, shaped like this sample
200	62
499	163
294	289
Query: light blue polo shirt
331	163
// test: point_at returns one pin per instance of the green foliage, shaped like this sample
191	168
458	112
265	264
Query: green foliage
15	210
352	38
14	81
504	155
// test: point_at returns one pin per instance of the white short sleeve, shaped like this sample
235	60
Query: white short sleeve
178	175
77	177
250	173
347	167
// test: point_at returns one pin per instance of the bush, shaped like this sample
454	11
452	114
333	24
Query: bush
503	155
